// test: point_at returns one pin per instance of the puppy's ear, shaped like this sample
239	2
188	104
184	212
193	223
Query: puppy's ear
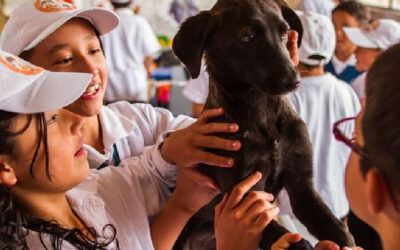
188	44
293	20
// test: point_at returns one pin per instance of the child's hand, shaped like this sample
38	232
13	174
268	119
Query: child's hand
239	222
185	148
329	245
285	241
190	196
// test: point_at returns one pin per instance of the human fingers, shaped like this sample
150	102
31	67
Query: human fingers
199	156
241	189
210	113
198	177
219	208
263	219
285	241
216	127
255	199
353	248
292	46
215	142
326	245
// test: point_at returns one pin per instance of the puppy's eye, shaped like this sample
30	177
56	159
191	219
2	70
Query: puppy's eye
249	35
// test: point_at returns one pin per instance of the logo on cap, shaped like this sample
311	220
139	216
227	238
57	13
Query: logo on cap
53	5
18	65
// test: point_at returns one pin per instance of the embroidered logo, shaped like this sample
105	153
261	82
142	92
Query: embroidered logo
18	65
53	5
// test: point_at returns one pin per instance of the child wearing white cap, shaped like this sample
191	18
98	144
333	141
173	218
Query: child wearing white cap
370	44
59	37
346	14
51	199
129	51
320	100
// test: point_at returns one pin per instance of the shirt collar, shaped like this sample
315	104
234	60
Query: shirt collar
114	127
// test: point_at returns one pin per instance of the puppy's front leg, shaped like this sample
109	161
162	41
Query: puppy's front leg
307	205
274	231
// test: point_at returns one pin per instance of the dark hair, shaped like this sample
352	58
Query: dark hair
381	123
121	5
356	10
15	225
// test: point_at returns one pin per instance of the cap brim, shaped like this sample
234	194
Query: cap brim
357	36
103	20
52	90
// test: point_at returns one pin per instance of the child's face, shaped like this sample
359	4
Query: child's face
74	47
68	164
365	58
340	20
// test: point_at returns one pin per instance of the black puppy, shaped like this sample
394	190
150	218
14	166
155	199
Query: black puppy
244	44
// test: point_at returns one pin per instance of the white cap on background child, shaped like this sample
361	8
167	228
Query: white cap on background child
34	20
318	42
386	34
27	89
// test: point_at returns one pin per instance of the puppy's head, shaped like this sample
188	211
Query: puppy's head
244	42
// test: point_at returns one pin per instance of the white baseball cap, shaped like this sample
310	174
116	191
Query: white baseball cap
28	89
34	20
318	42
386	34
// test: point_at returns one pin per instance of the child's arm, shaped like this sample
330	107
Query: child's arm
240	222
187	198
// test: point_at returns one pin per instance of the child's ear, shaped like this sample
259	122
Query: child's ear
7	175
377	191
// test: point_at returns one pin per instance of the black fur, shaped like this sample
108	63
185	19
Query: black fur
250	71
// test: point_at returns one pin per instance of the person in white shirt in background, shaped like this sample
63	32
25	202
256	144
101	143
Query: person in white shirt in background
320	101
370	43
129	51
323	7
346	14
196	90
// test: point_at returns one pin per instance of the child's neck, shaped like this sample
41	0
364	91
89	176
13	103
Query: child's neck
93	133
389	231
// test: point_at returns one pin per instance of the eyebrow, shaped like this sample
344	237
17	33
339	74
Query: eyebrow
65	45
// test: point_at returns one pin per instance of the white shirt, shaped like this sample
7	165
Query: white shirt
359	85
339	66
125	49
323	7
196	90
132	127
126	197
321	101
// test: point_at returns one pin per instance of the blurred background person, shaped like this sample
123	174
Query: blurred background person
370	43
346	14
129	51
323	7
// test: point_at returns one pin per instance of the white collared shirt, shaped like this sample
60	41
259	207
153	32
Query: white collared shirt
127	197
132	127
340	66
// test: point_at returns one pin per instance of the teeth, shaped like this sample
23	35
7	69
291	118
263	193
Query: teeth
92	89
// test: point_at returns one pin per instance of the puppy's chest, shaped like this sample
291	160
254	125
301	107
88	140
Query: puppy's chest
259	152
